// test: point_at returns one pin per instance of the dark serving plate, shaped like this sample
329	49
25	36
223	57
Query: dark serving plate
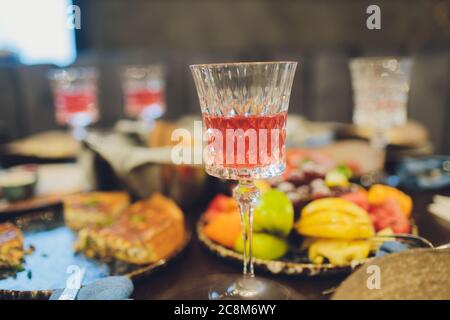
34	204
292	264
45	269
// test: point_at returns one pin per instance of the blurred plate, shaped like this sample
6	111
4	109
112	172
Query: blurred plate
413	134
51	145
292	264
45	268
343	152
50	189
286	265
33	204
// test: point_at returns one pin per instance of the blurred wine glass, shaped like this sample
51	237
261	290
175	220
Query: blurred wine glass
75	97
380	93
144	92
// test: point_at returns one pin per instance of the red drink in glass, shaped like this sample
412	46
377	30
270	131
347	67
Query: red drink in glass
143	89
79	105
138	101
246	142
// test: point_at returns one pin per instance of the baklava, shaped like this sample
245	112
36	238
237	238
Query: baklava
94	209
149	230
11	246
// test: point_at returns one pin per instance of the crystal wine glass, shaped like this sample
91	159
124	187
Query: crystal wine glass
143	88
75	96
244	108
380	91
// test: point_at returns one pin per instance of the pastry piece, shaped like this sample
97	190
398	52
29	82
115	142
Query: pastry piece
94	208
149	230
11	246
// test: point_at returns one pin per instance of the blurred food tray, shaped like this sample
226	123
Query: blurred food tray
53	146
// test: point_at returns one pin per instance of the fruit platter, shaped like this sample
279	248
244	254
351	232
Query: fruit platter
312	221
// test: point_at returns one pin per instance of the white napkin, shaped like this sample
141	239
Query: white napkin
123	156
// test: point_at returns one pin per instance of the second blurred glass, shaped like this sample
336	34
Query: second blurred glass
144	92
380	92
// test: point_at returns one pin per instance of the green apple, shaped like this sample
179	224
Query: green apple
274	213
265	246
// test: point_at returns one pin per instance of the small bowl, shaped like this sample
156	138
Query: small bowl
18	185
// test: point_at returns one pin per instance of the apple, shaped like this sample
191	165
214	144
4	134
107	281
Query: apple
274	213
265	246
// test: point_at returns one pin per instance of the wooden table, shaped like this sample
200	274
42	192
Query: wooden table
196	262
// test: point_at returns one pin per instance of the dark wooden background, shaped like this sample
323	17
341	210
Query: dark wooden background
322	35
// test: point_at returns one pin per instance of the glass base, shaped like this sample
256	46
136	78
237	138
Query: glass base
235	287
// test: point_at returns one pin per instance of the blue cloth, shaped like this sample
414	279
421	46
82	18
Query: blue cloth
425	173
390	247
110	288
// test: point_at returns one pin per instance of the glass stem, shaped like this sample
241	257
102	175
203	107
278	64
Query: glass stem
78	132
378	143
246	194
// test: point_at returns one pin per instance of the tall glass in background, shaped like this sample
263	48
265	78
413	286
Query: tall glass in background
244	108
144	92
380	92
75	97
